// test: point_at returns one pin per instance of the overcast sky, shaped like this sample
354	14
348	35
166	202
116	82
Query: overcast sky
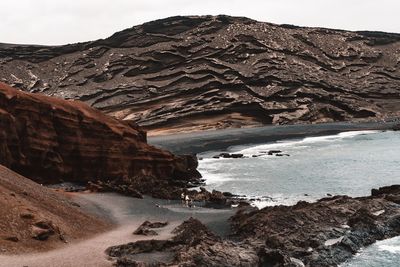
69	21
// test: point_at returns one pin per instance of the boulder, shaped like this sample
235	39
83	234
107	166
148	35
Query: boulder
147	227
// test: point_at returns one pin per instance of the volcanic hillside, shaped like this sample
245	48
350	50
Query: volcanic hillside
216	72
33	218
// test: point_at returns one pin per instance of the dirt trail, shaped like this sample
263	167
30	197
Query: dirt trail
90	252
128	214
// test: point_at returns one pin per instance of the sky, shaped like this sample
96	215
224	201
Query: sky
68	21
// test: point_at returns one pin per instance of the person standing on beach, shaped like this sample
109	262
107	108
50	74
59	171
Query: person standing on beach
190	204
182	198
187	200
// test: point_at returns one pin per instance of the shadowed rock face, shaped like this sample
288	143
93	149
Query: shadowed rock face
51	140
216	72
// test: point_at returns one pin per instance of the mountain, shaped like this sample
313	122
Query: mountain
193	73
51	140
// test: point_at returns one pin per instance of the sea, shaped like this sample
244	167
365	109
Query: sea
348	163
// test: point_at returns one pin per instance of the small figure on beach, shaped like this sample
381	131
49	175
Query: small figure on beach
187	200
190	204
183	198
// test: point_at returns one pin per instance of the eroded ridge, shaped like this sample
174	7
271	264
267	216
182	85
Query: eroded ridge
217	72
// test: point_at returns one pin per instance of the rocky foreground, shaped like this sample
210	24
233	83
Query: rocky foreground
34	218
194	73
325	233
51	140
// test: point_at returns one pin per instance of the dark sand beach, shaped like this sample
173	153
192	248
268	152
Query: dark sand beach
197	142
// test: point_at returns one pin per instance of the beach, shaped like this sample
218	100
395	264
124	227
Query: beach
197	142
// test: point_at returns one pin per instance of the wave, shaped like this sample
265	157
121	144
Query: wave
209	169
390	248
303	142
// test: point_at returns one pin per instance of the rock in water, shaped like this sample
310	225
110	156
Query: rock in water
218	72
51	140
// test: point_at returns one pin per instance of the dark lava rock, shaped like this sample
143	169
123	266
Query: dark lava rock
233	71
324	233
147	227
393	189
396	127
271	152
192	245
321	234
228	156
214	199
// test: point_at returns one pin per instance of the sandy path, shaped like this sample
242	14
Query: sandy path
90	253
128	214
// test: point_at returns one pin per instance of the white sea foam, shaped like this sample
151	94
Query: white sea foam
209	169
278	199
389	248
302	143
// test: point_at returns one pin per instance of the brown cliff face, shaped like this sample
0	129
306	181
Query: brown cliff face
216	72
52	140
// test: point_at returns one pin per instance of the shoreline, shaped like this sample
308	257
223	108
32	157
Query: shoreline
128	213
197	142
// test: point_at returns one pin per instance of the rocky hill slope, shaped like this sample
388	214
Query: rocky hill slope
33	218
52	140
214	72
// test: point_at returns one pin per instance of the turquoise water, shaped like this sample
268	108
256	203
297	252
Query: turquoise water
350	163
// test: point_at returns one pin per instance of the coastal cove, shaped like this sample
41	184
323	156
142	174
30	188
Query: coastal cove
199	140
325	160
232	236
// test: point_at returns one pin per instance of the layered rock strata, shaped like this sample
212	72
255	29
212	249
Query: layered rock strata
193	73
51	140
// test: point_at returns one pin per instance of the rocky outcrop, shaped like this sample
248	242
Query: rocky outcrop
147	228
324	233
192	245
206	72
52	140
34	218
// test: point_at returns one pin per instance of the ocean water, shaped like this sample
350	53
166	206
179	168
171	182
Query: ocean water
349	163
381	254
